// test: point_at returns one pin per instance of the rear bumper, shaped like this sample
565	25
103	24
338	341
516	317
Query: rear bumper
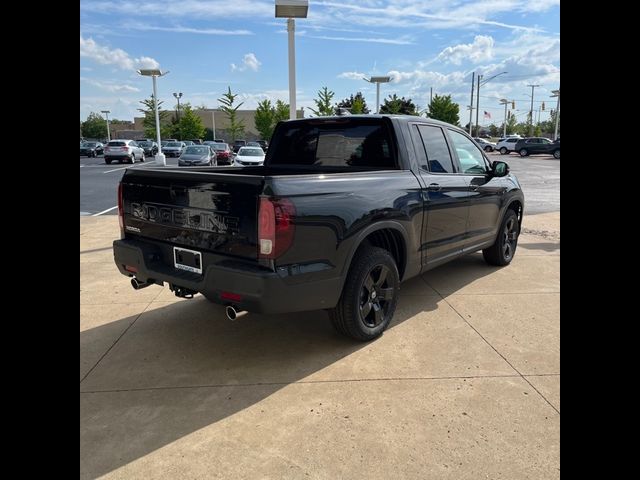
110	156
261	290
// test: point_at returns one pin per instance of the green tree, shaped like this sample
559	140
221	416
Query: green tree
190	125
149	121
493	130
355	104
94	126
323	102
395	105
442	108
265	114
236	127
512	124
280	113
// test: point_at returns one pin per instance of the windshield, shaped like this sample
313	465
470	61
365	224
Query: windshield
144	144
90	144
251	152
174	144
196	150
219	146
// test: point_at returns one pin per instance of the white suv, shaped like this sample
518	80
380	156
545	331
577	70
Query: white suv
507	145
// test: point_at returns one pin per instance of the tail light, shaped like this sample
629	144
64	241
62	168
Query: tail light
120	210
275	227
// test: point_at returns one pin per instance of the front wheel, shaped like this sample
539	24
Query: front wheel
142	158
369	296
504	248
504	151
488	148
524	152
556	154
133	158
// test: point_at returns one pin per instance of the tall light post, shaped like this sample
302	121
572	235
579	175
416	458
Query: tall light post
107	112
213	123
505	102
292	9
478	95
155	73
531	111
556	93
378	81
178	96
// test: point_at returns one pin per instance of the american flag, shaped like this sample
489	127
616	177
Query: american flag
487	114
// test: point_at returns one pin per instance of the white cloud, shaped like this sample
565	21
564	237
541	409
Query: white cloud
110	86
201	31
480	50
352	75
391	41
249	62
103	55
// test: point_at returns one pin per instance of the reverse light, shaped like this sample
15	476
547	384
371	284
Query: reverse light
120	210
275	227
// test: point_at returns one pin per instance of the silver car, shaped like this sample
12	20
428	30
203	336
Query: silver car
173	149
124	151
197	155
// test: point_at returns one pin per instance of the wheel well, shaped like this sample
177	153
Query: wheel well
516	206
392	241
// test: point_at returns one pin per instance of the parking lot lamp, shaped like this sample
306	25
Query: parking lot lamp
556	93
505	102
378	81
155	73
107	112
292	9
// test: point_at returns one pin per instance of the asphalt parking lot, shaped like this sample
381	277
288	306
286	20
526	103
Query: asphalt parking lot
538	174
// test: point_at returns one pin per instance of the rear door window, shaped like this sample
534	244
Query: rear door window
436	149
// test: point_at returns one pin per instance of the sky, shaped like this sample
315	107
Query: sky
210	45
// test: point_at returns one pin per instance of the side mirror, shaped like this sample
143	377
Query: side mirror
499	169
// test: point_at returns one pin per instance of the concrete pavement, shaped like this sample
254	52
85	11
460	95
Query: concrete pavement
464	384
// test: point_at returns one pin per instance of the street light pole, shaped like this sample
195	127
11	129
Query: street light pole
531	111
107	112
556	93
505	102
155	73
213	123
478	106
473	78
292	9
377	81
291	30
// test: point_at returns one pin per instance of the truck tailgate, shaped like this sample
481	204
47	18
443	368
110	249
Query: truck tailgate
204	210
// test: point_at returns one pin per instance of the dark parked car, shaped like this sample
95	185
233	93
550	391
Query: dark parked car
238	144
538	146
197	155
91	149
196	141
150	148
343	209
264	145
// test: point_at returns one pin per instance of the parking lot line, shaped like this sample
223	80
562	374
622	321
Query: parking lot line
104	211
132	166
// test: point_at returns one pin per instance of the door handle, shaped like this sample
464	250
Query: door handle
474	187
434	187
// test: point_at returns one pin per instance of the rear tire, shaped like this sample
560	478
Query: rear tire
504	151
556	154
133	158
108	162
142	158
502	251
523	152
369	296
488	149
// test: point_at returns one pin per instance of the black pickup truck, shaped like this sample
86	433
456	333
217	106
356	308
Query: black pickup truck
342	211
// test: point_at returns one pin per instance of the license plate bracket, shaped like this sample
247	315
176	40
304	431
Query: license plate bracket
188	260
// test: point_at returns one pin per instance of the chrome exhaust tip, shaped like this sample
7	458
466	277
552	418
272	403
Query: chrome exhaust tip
137	284
233	314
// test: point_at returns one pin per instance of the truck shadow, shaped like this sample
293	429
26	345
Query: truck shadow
182	366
